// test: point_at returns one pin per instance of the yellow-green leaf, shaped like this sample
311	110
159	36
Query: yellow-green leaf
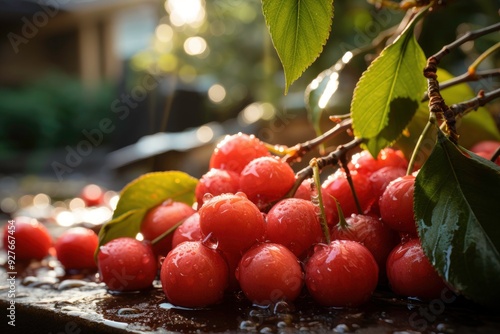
299	29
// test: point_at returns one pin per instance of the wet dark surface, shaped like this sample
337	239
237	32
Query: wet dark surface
48	300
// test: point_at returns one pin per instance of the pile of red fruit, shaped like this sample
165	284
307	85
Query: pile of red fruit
245	234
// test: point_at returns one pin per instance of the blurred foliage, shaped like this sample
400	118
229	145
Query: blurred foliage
49	113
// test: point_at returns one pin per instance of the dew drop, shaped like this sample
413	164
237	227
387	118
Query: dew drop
207	197
210	242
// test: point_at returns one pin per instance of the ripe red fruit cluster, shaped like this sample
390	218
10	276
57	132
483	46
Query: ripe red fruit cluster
245	235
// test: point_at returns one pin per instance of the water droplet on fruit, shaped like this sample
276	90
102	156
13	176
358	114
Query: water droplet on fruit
210	242
207	197
145	259
246	261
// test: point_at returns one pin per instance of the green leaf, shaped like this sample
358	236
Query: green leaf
299	29
143	194
149	190
388	93
456	208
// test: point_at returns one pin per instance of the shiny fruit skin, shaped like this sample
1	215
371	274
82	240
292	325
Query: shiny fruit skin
337	186
216	182
234	152
75	248
364	163
411	274
194	275
372	233
341	274
396	205
266	179
379	180
269	273
31	239
294	223
160	219
232	221
189	230
127	264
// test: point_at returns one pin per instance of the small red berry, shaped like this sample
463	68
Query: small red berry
126	264
411	274
31	239
160	219
216	182
75	248
193	275
188	231
294	223
266	179
232	221
234	152
396	205
269	273
343	273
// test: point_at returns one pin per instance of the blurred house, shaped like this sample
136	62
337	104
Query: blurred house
85	38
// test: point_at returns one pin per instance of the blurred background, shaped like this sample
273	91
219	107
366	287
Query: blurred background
100	92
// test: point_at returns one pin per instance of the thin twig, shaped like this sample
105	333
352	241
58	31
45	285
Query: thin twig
466	77
480	100
296	152
469	36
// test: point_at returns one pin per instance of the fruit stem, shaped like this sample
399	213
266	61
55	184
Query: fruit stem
424	133
348	176
167	232
317	183
342	225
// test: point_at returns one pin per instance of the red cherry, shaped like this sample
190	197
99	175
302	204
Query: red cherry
160	219
193	275
305	190
396	205
379	180
216	182
294	223
411	274
364	163
188	231
232	221
266	179
236	151
27	238
126	264
336	186
75	248
343	273
372	233
269	273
